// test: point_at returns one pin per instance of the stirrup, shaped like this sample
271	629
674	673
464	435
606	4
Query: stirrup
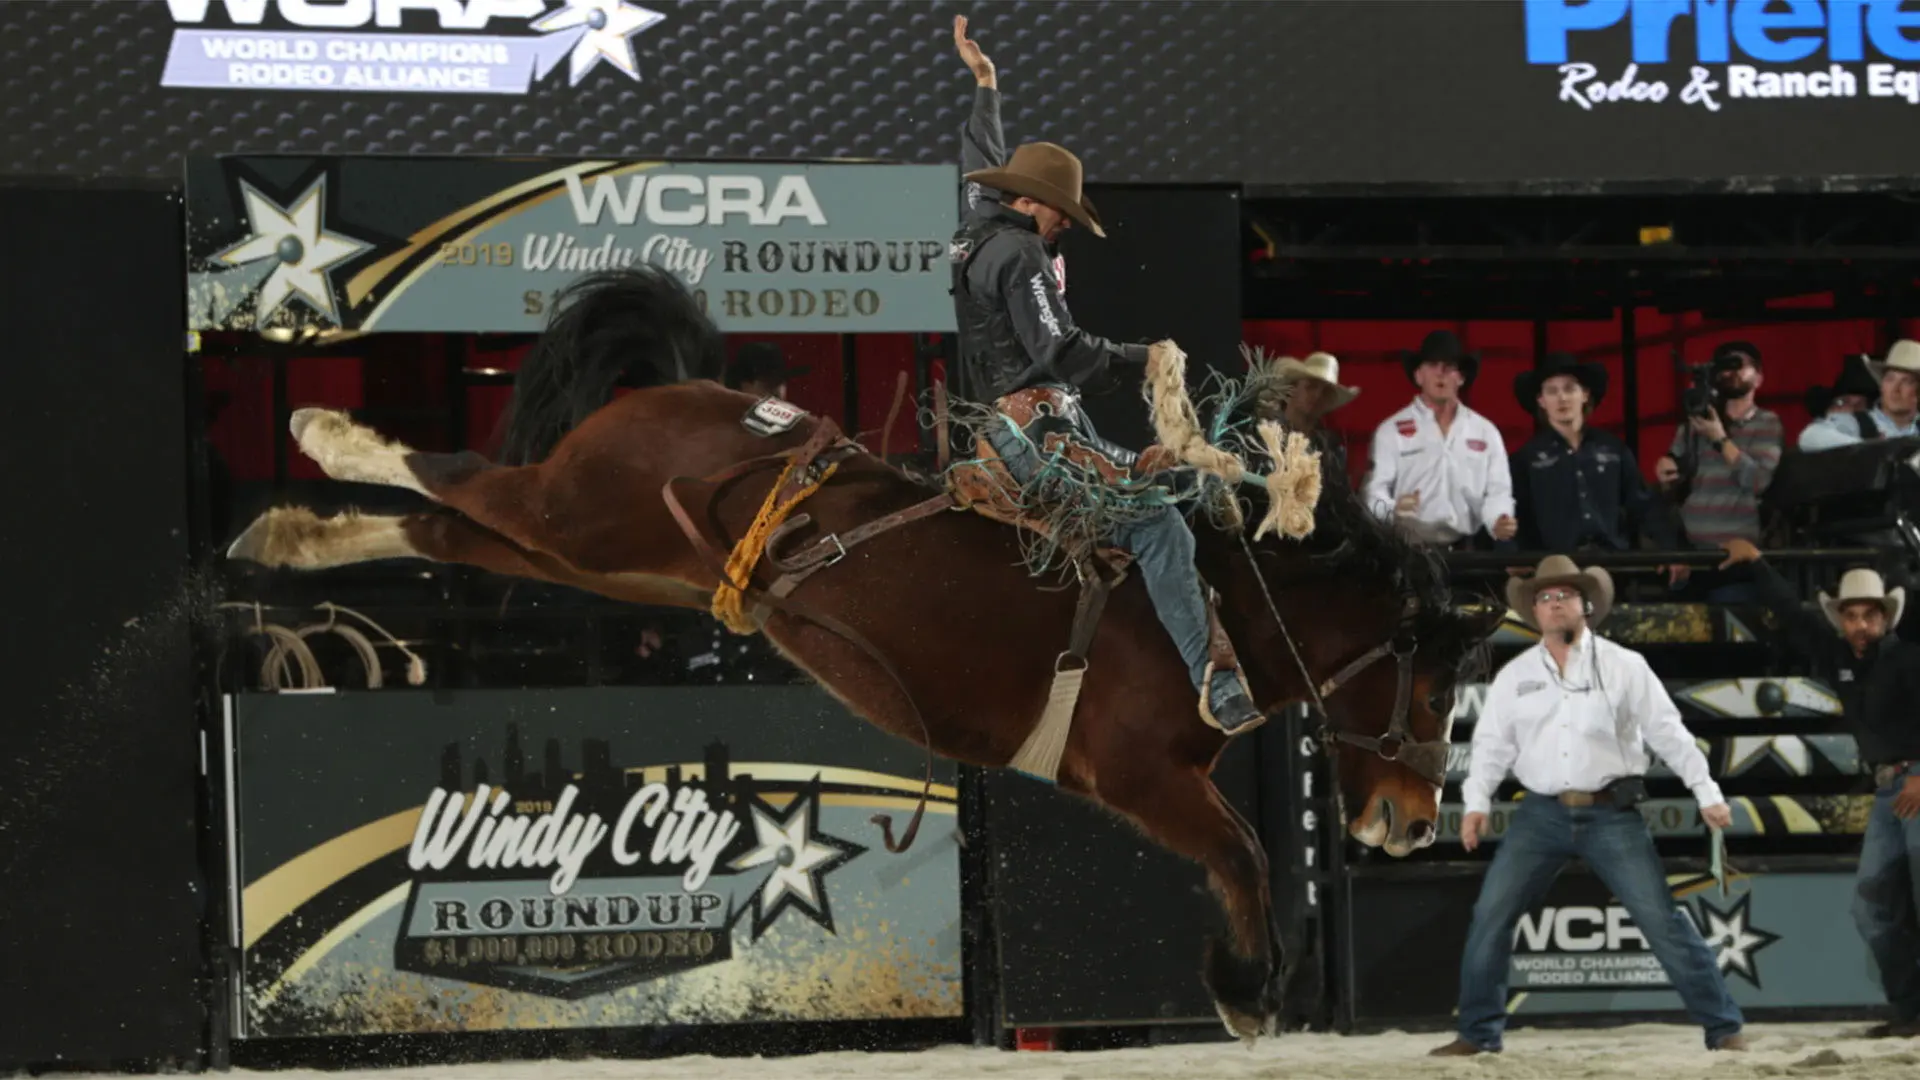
1206	702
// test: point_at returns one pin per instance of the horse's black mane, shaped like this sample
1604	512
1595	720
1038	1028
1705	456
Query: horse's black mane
1349	541
1366	545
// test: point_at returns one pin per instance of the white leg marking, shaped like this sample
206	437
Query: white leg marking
294	536
348	451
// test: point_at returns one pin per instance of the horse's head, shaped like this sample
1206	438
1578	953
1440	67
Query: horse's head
1369	616
1356	618
1390	722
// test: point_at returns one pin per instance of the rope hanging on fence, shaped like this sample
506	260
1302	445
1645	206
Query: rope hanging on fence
727	599
290	649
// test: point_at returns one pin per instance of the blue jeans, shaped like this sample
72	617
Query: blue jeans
1540	839
1884	899
1162	547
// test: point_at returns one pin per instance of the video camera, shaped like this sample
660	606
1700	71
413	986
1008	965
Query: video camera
1706	392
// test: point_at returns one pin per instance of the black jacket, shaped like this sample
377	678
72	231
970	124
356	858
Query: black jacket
1009	304
1879	692
1593	497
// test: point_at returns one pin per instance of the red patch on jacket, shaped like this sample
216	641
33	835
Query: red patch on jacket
1406	428
1476	445
1060	272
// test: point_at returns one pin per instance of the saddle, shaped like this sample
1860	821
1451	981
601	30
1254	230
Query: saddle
985	487
1049	417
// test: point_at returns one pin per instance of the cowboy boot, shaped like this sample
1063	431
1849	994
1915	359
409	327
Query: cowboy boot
1226	701
1459	1048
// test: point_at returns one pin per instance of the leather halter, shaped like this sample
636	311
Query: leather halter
1427	759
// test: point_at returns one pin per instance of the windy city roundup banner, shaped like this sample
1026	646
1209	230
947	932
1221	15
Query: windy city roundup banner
483	245
586	858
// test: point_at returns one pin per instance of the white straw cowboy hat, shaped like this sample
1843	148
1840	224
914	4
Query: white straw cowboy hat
1594	583
1904	356
1278	371
1322	367
1863	584
1048	173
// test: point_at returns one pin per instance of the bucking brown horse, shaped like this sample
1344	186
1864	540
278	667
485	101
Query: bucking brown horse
920	618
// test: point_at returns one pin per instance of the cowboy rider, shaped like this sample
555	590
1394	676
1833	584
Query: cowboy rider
1021	350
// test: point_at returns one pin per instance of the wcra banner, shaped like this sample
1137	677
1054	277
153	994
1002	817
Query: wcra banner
583	858
485	245
1781	937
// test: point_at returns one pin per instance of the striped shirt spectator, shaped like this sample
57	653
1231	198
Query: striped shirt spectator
1730	456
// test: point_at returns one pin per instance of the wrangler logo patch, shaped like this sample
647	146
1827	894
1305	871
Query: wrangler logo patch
771	416
1047	318
1476	445
1406	428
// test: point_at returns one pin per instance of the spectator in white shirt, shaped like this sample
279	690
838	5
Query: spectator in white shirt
1439	468
1570	716
1842	405
1896	416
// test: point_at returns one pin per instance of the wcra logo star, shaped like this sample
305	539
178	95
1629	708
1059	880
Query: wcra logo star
801	857
301	246
1734	939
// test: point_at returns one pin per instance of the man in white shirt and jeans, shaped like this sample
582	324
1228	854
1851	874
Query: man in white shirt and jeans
1439	469
1569	717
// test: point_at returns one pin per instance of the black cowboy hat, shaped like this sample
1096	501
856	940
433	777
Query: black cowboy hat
1590	375
761	361
1856	377
1443	345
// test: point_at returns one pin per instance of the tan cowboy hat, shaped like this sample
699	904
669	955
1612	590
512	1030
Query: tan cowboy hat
1594	583
1319	366
1046	172
1863	584
1904	356
1263	368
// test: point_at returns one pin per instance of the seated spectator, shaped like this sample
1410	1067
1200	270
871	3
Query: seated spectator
1896	380
1439	468
1845	402
1723	460
1576	487
1299	394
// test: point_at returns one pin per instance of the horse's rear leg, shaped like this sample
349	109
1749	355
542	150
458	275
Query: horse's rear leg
504	500
296	537
1187	814
349	451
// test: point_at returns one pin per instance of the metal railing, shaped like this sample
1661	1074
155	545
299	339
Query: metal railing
1695	558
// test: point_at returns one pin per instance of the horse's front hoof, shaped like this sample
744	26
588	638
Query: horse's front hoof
1244	1026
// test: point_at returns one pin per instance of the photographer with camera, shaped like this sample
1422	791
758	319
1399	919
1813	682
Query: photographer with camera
1572	718
1721	461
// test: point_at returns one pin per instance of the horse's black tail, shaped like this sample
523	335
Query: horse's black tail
631	327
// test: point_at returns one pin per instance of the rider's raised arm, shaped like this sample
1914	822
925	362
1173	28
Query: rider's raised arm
1061	350
983	144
